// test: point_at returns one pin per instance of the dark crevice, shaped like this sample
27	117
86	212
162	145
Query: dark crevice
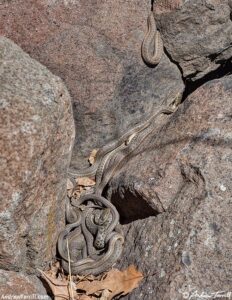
190	86
225	68
135	207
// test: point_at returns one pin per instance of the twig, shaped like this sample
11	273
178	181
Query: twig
70	274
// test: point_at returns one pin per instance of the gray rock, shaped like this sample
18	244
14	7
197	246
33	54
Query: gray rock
96	49
197	34
182	180
37	133
13	284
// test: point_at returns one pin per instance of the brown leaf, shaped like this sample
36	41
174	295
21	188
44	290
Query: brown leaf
60	289
69	184
85	181
118	282
105	295
92	156
84	297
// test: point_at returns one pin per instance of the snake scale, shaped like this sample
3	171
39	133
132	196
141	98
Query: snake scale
93	235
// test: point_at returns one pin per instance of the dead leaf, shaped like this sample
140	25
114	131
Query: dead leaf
84	297
85	181
92	156
69	184
118	282
105	295
77	192
61	289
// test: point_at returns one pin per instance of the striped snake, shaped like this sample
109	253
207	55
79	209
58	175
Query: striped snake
152	46
100	253
97	223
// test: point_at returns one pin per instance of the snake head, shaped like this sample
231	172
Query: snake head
130	138
104	216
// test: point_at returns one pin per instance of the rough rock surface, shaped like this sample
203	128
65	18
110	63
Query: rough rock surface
179	186
183	181
95	47
14	284
197	34
37	133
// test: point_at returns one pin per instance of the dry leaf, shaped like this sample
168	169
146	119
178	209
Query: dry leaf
60	289
77	192
85	181
84	297
105	295
69	184
118	282
70	187
92	156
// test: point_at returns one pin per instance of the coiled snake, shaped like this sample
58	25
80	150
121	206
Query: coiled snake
93	235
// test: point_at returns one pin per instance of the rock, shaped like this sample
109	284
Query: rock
13	284
197	34
96	49
37	133
175	200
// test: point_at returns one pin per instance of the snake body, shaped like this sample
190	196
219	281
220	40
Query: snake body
98	222
103	222
126	152
152	46
62	244
105	154
106	203
95	267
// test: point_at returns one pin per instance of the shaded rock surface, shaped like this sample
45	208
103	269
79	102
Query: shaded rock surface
95	47
37	133
14	284
182	179
197	34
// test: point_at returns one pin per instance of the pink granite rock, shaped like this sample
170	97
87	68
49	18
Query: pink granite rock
182	180
197	34
37	133
16	285
95	47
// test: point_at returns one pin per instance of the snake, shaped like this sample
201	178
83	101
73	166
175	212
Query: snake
89	266
152	46
107	151
89	231
106	203
127	151
105	223
73	232
80	220
62	245
97	223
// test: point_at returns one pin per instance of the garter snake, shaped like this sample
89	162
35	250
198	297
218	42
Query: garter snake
152	46
108	161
